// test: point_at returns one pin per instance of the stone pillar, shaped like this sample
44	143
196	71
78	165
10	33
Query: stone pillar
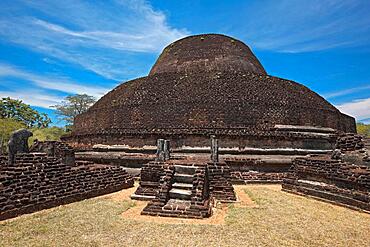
166	150
214	149
160	150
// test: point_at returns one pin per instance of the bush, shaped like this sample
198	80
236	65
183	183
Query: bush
363	129
47	134
8	125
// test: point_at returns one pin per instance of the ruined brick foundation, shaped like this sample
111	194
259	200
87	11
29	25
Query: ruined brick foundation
330	180
37	181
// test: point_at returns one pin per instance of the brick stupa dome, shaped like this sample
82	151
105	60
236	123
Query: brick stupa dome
205	53
206	84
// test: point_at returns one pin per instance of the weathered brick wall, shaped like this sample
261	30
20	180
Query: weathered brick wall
56	149
220	186
350	142
252	170
37	181
150	176
332	180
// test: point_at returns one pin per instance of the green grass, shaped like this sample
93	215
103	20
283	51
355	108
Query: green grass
280	219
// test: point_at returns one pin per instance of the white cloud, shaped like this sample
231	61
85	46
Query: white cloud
32	97
100	37
345	92
53	82
303	26
360	108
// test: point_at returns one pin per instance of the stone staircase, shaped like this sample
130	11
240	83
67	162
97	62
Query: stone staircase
182	182
184	193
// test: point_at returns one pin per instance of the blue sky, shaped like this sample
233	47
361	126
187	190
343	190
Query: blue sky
51	49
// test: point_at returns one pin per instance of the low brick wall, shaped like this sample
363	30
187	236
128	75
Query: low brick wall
350	142
332	180
220	186
254	170
150	176
243	177
37	181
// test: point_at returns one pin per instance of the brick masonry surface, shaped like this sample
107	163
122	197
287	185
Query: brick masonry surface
332	180
209	181
37	181
254	170
203	86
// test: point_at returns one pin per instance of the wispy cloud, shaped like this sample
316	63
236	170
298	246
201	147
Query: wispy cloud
41	98
302	26
53	82
345	92
360	108
100	37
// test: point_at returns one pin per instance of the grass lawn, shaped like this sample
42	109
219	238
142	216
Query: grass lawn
274	218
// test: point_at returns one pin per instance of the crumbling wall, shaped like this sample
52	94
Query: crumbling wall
220	186
254	170
58	149
332	180
37	181
350	142
150	176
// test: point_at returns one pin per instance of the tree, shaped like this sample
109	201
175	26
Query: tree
8	125
363	129
72	106
21	112
46	134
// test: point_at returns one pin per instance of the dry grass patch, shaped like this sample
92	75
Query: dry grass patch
275	219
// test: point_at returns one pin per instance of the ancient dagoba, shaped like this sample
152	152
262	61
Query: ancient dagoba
206	85
209	116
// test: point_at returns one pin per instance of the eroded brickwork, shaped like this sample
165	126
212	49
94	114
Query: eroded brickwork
254	170
204	87
242	101
220	182
332	180
350	142
150	177
56	149
37	181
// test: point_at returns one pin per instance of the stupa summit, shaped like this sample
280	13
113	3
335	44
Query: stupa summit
207	85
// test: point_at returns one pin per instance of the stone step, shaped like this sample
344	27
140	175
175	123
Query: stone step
183	178
180	194
175	204
184	186
185	169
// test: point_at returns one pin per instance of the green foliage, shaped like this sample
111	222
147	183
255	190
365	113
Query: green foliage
72	106
363	129
46	134
21	112
7	127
